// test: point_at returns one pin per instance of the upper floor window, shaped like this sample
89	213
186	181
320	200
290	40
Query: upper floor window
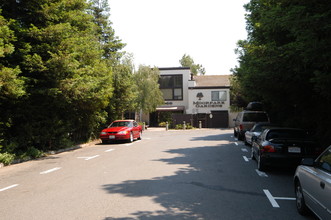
218	95
171	86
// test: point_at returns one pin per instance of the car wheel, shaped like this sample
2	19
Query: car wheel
246	143
252	154
131	137
235	134
104	142
260	164
140	134
300	201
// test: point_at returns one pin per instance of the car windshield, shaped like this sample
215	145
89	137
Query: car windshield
286	134
255	116
260	127
121	124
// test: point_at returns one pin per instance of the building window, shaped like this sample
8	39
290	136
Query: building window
218	96
171	86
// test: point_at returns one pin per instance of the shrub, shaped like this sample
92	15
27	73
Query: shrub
31	153
162	124
179	126
6	158
188	126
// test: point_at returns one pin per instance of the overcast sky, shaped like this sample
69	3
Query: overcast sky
159	32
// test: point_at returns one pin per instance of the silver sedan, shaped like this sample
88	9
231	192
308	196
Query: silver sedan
255	131
312	182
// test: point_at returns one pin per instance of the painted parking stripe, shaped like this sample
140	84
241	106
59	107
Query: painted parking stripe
260	173
244	150
246	159
271	198
88	158
8	187
109	150
50	170
236	143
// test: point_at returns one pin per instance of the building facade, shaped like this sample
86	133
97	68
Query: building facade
193	99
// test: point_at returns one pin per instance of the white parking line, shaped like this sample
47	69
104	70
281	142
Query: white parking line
236	143
246	159
50	170
8	187
88	158
244	150
109	150
260	173
128	144
273	199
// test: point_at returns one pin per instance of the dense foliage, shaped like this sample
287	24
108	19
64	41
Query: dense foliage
187	61
60	64
285	62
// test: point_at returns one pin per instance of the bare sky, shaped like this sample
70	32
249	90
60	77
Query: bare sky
159	32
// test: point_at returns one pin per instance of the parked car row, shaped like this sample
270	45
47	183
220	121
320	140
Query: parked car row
275	146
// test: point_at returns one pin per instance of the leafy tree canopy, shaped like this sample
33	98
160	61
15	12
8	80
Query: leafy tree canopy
149	95
285	61
65	51
187	61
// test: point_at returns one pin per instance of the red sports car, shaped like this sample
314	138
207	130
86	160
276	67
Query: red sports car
121	130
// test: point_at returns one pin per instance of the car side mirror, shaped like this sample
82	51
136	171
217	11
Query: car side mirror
308	162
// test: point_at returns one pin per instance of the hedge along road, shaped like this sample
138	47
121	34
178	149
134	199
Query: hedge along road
191	174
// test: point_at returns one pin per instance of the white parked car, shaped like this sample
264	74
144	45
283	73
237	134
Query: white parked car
255	131
312	182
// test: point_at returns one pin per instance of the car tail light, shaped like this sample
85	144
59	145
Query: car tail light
268	148
241	127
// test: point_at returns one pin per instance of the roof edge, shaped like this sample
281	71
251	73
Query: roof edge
174	68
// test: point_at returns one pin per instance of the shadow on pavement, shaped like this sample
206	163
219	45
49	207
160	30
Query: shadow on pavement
196	192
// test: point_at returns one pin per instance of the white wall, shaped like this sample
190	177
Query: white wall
190	98
186	77
206	105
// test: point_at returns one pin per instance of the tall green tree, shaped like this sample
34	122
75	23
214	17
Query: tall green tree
124	90
12	86
69	80
285	62
149	95
110	43
187	61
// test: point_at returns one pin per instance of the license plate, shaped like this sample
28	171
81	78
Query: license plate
111	136
294	149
